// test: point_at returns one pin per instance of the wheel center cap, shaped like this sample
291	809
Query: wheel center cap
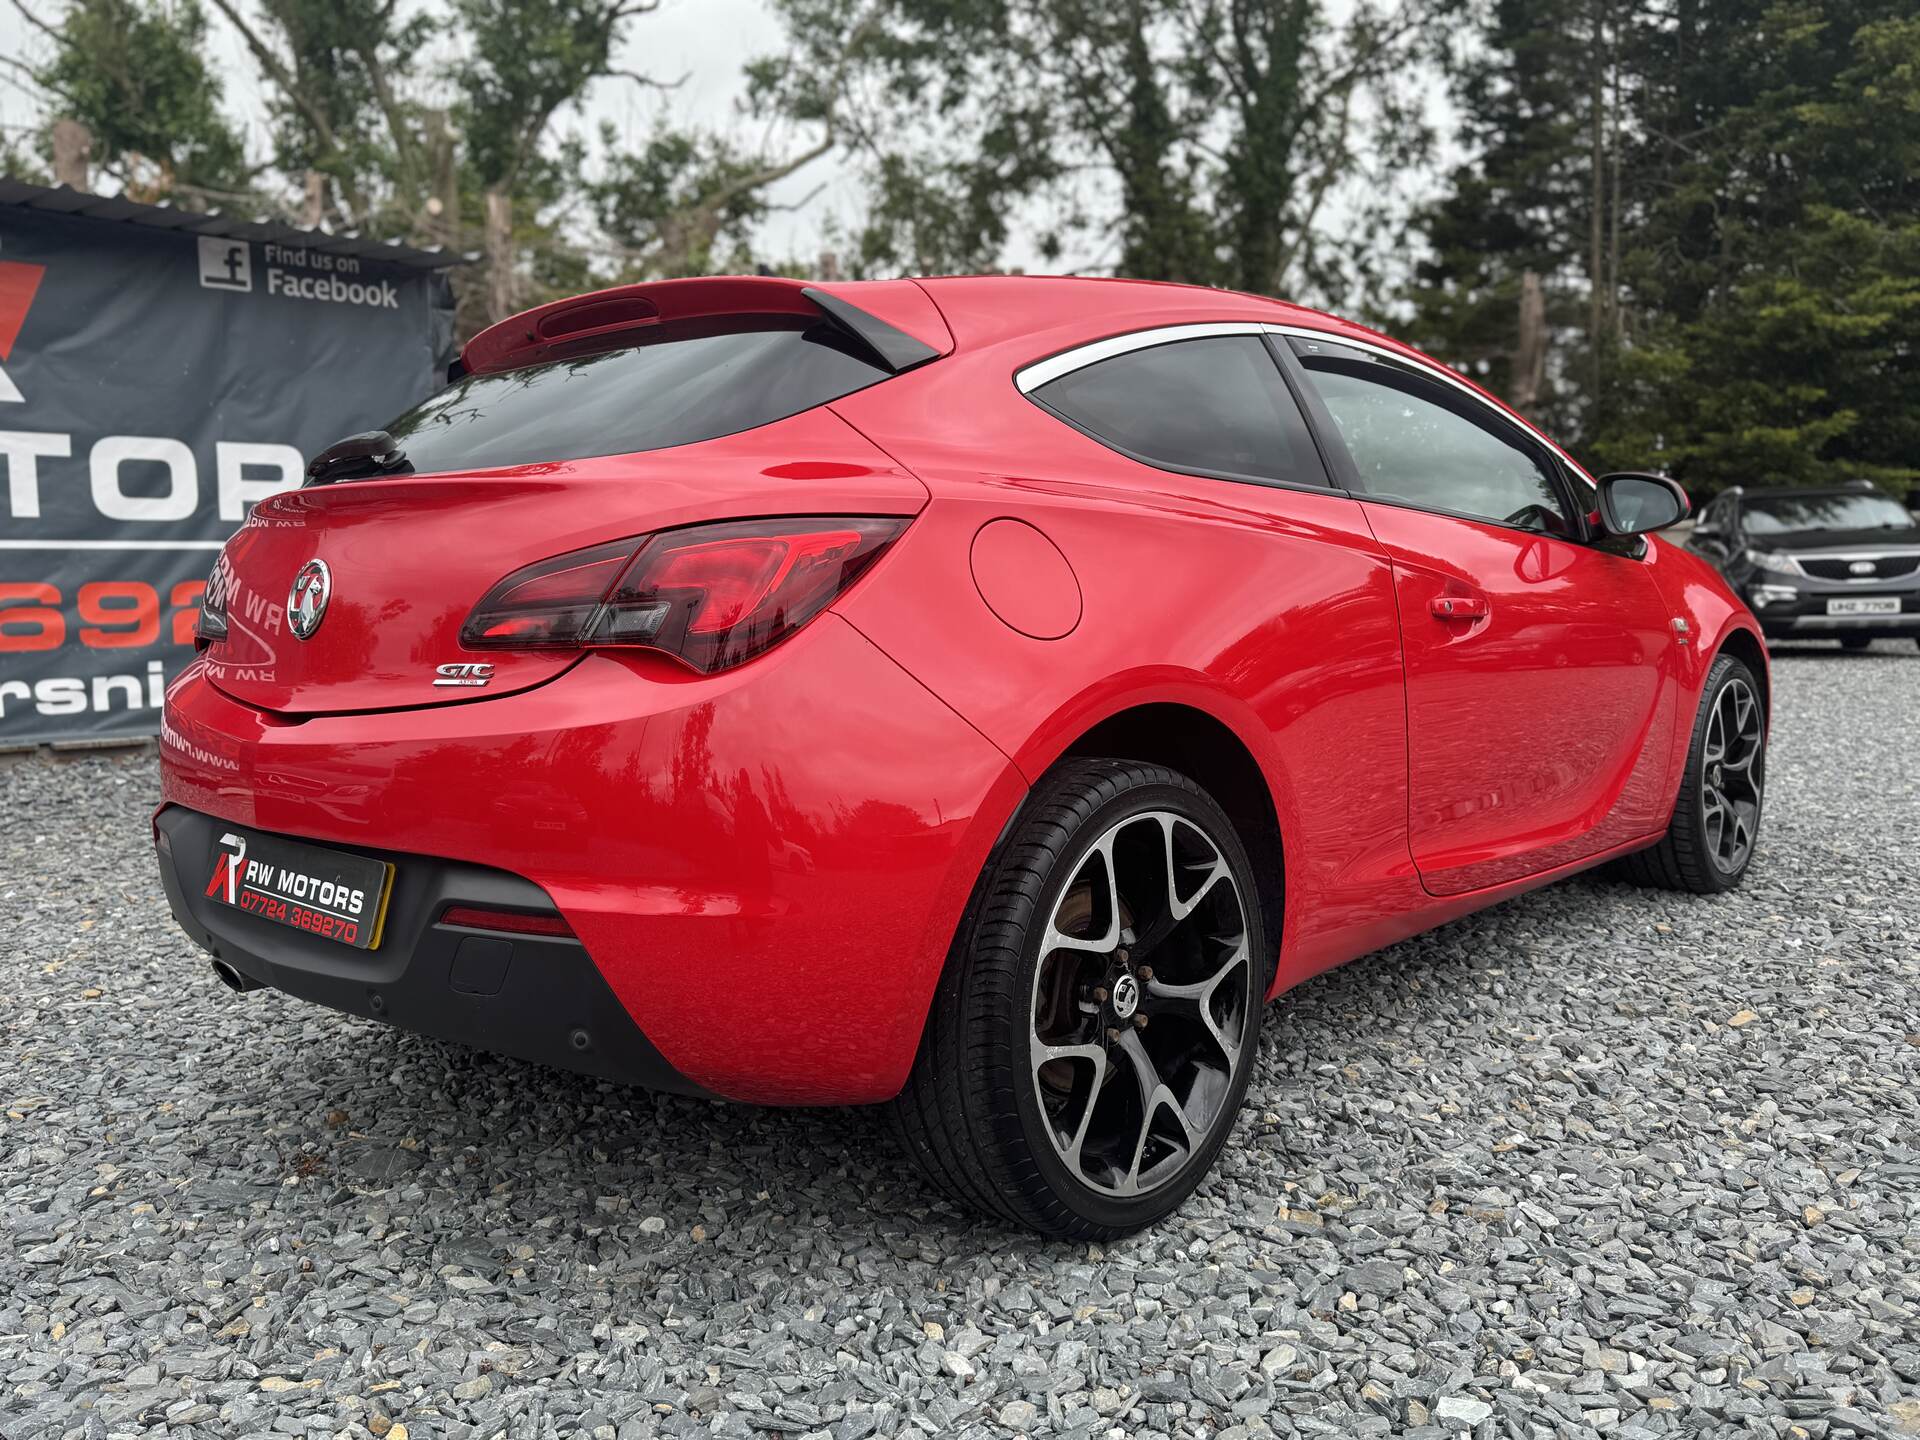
1125	997
1716	778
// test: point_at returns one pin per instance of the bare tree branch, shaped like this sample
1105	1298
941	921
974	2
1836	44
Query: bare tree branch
42	26
1322	186
403	137
647	81
281	75
28	71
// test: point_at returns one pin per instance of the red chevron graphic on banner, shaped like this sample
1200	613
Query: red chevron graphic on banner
18	282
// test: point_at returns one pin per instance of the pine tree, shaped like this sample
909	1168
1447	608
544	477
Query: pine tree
1722	198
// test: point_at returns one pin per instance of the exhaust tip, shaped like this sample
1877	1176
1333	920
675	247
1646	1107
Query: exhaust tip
233	979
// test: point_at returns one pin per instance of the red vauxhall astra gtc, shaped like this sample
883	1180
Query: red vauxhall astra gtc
977	695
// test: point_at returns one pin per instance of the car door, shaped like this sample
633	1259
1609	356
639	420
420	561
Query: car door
1540	691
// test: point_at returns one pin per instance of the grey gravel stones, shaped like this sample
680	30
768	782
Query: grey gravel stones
1599	1162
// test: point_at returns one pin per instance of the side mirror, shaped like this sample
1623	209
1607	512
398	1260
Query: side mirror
1633	503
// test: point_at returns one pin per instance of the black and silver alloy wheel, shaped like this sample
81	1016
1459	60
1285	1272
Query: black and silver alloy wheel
1095	1027
1733	765
1138	1001
1710	840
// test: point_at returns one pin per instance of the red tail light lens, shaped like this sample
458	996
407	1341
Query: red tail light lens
712	596
548	604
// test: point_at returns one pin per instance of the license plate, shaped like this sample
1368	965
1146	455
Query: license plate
327	893
1865	605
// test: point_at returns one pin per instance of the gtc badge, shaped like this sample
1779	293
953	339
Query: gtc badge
307	600
463	673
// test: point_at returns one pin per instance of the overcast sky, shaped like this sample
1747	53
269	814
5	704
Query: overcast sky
706	40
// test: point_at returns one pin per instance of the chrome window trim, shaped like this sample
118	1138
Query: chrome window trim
1031	377
1041	372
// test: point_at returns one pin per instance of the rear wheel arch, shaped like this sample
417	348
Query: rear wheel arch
1213	755
1185	738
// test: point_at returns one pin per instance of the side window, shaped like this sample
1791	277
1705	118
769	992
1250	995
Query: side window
1215	406
1413	439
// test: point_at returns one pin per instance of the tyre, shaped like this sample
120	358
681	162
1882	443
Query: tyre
1716	819
1090	1042
1856	642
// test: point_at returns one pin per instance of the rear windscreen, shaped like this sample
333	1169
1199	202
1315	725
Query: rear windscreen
679	382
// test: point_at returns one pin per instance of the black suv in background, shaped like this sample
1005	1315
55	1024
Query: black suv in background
1840	563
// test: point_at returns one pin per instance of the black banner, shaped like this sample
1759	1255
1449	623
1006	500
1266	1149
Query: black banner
154	385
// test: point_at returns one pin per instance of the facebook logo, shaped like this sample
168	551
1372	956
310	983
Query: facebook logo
226	264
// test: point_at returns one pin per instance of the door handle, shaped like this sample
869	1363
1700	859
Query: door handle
1461	607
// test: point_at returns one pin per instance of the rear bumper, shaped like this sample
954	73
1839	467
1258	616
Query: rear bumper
765	867
535	996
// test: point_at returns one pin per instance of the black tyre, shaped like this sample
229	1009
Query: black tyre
1716	820
1091	1039
1856	642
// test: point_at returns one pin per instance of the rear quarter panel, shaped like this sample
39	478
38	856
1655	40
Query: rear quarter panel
1270	609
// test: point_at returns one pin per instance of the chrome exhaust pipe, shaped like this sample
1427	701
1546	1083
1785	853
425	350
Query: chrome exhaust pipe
233	979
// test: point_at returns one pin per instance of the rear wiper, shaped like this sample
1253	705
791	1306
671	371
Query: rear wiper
371	452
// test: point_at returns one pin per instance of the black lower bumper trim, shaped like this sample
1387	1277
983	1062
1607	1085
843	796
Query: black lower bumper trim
538	997
1833	627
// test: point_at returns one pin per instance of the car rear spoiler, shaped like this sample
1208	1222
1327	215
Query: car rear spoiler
892	320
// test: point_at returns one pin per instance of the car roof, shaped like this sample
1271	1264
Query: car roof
984	308
1035	315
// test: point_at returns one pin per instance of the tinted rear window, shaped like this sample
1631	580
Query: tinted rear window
1215	406
682	382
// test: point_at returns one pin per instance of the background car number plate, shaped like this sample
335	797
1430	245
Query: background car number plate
327	893
1865	605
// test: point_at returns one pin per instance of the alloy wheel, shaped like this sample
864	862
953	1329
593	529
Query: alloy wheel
1140	997
1733	761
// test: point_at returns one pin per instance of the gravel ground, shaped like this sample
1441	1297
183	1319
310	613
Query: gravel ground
1597	1161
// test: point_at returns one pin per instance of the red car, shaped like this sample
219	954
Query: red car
976	695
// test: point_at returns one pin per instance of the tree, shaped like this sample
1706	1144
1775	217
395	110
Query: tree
906	88
135	76
1207	140
1722	196
336	72
363	135
1781	260
1520	206
1320	114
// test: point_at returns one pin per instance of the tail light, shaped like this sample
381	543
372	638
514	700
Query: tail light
712	596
